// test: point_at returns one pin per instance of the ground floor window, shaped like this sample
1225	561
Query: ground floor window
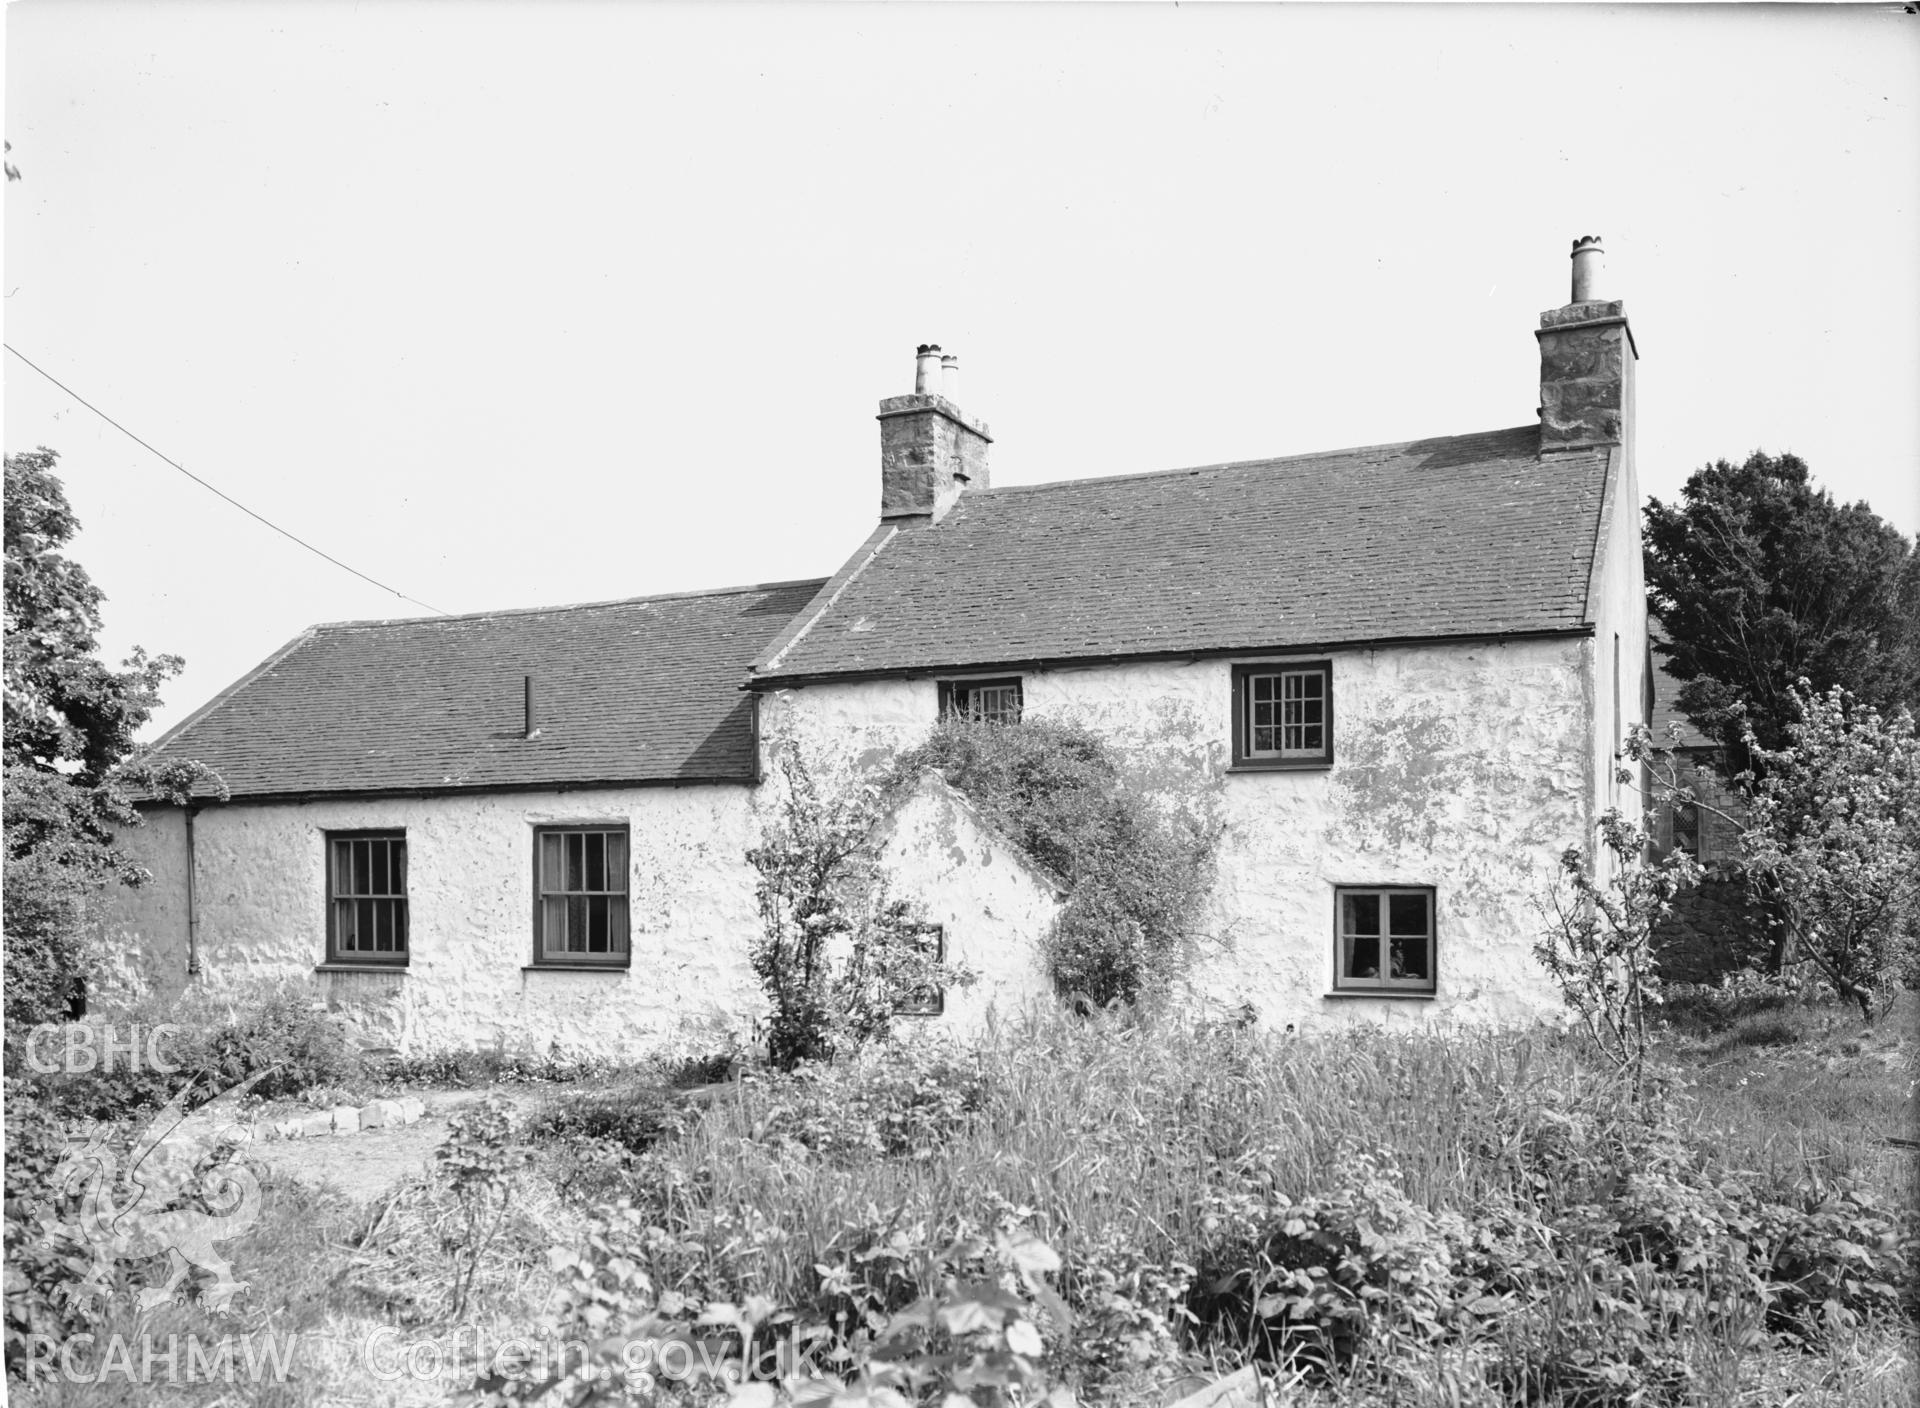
367	897
931	1000
580	895
1384	939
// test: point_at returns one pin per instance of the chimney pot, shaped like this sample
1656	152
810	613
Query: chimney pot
1588	257
1586	364
930	450
926	369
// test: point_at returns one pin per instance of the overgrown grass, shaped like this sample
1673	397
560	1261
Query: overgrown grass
1803	1087
1158	1158
1165	1161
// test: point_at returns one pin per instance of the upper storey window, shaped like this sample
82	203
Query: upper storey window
1283	714
982	701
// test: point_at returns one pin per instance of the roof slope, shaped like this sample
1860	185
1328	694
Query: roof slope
1666	700
1465	535
646	690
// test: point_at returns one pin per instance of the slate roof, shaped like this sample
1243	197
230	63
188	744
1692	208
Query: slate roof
1469	535
641	691
1666	690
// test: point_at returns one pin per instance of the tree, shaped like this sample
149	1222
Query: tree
65	709
67	744
1833	840
1760	579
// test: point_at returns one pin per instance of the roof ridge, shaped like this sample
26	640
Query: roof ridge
1242	464
807	617
815	582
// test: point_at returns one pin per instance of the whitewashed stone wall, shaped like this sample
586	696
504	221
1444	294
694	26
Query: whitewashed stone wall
261	887
1467	768
260	876
992	901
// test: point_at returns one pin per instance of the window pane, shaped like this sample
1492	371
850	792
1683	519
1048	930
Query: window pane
382	926
1411	958
617	924
553	927
1312	740
1264	741
343	923
400	926
550	869
595	846
1263	687
1363	958
617	862
1360	914
576	923
1263	715
399	869
576	862
363	922
1407	914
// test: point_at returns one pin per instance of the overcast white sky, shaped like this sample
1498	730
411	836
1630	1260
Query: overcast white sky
515	304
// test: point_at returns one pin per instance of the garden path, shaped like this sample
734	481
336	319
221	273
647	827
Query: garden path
366	1165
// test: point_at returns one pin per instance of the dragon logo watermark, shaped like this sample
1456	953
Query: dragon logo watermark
176	1192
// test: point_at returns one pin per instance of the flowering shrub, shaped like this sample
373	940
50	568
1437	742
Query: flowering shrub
1832	833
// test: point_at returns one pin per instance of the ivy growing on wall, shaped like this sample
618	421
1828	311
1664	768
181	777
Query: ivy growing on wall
1136	867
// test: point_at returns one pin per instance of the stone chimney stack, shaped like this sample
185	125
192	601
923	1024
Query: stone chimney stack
930	450
1586	363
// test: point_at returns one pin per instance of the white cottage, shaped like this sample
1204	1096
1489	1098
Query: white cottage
1405	669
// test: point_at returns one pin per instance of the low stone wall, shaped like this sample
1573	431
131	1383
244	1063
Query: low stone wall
1714	928
346	1119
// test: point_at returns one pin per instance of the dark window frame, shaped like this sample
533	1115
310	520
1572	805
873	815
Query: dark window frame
339	956
954	696
934	1005
1244	756
610	960
1684	829
1388	986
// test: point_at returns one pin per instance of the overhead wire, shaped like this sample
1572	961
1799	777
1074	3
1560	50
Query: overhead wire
291	537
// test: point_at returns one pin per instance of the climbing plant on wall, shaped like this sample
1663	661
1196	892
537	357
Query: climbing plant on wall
838	955
1136	867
